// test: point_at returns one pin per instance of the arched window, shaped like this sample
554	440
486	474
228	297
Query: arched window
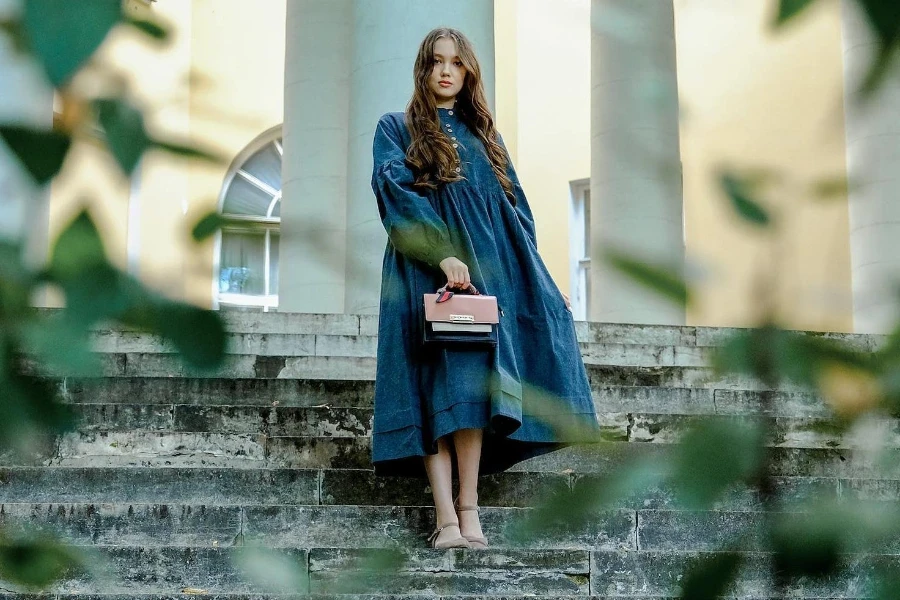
248	245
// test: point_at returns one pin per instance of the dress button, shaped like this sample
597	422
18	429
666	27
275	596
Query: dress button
456	145
458	169
450	112
453	138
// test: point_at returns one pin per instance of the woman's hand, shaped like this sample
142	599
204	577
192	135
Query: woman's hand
456	271
568	304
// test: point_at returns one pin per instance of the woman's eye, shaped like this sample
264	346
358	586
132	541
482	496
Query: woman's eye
458	63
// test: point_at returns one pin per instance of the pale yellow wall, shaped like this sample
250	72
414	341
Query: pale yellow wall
506	32
752	99
554	145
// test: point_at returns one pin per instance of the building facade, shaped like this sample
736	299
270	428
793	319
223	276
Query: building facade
620	116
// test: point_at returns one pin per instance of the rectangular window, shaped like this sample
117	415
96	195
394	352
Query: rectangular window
580	248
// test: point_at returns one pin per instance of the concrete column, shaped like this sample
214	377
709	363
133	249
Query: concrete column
314	171
636	191
873	166
26	99
386	35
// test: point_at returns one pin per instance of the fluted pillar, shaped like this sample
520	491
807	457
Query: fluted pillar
872	132
314	169
636	191
387	34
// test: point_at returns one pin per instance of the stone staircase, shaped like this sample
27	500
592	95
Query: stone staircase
170	473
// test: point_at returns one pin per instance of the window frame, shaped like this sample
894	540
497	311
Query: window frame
267	301
579	249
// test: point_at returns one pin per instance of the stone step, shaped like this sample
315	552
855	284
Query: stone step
257	486
288	525
636	395
367	325
335	572
609	371
159	449
350	527
365	346
797	432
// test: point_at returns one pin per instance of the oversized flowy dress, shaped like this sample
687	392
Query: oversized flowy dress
530	393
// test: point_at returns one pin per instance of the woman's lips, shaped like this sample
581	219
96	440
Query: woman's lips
445	84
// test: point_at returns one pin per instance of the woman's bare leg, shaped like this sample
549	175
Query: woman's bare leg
468	455
440	471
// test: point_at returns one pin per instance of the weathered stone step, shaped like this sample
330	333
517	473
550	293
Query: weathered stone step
635	390
212	486
243	366
350	527
155	449
306	526
794	432
137	571
365	346
367	325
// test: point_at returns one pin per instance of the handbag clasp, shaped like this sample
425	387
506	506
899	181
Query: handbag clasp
462	318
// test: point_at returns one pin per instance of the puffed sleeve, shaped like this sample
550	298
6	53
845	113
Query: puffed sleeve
412	224
522	207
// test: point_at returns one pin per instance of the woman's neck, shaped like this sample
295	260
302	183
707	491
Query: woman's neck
447	103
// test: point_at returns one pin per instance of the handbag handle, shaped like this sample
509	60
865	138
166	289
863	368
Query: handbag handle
444	294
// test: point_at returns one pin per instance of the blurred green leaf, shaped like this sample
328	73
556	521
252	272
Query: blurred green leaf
714	456
772	355
812	543
887	582
208	226
565	510
41	152
29	407
36	563
95	291
16	282
788	9
188	152
272	570
60	343
835	188
65	34
198	333
154	29
77	249
658	278
711	577
740	194
370	567
884	19
125	134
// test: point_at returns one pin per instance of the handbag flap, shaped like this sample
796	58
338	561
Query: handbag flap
462	308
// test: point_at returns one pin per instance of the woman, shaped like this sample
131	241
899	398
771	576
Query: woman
456	215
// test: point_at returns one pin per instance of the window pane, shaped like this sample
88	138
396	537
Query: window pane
276	210
244	198
242	264
273	263
265	165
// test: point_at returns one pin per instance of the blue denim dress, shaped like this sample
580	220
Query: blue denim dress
529	392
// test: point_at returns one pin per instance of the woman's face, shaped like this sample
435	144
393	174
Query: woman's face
447	73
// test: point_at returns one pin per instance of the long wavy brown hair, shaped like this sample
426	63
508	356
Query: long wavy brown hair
431	154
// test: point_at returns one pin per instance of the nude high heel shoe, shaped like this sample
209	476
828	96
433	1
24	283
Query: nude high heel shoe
474	541
459	542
